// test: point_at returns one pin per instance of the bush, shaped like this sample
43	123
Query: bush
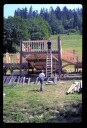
72	30
65	32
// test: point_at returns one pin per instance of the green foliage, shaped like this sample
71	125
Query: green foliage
38	28
15	29
72	30
70	19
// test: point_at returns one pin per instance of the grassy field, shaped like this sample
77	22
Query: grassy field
27	104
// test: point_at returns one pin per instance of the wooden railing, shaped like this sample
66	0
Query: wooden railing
69	57
37	45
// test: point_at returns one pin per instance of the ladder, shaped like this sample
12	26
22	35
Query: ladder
49	65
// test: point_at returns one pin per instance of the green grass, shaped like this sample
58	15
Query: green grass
70	42
28	104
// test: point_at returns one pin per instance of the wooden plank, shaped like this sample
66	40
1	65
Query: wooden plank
4	79
23	80
29	80
59	57
12	80
75	87
8	79
20	57
18	81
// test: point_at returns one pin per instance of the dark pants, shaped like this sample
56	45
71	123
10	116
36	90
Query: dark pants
41	83
49	50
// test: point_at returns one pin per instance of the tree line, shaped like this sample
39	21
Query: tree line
59	20
37	26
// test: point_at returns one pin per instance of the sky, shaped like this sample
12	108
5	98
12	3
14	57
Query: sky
8	9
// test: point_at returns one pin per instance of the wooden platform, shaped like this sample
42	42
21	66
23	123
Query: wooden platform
38	59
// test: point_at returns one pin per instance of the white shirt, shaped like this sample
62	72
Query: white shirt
42	75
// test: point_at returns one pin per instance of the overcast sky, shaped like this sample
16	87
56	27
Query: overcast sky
8	9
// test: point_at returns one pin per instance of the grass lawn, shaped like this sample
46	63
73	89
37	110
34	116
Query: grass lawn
25	103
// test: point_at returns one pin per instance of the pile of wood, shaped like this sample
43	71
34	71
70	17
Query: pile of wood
75	87
16	79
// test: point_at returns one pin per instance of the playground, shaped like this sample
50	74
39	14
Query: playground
32	58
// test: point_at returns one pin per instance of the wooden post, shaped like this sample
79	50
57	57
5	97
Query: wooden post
28	67
43	46
23	80
32	70
75	68
29	80
7	57
59	57
61	50
20	58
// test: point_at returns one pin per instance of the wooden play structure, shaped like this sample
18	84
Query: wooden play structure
34	55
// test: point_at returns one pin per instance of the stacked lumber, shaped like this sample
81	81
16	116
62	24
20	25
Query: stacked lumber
75	87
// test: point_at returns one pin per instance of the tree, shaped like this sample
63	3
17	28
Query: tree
25	13
65	13
30	13
75	19
15	29
70	19
58	13
17	12
35	13
38	28
53	22
42	13
46	15
51	10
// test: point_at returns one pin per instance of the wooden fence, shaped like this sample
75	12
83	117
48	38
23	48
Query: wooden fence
11	58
